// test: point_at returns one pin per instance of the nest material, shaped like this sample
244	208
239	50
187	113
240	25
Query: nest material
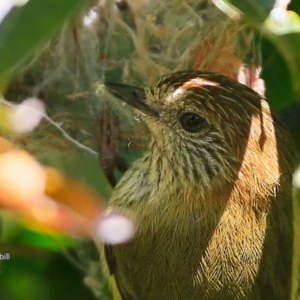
132	42
168	36
126	41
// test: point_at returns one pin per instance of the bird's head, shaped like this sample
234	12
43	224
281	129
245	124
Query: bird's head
200	119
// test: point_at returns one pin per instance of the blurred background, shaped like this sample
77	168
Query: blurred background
54	57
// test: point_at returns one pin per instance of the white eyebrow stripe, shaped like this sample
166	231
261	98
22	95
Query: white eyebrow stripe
195	82
174	95
178	92
198	82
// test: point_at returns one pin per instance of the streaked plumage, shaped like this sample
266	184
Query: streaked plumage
213	208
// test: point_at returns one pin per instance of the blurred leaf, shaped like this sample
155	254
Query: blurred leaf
295	6
290	116
283	22
281	27
255	11
53	242
275	73
283	30
65	281
289	45
25	29
23	274
15	233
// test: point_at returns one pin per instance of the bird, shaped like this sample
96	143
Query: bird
211	197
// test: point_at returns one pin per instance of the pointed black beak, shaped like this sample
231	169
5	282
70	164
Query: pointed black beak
131	95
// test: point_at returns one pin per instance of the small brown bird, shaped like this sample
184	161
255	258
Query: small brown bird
211	197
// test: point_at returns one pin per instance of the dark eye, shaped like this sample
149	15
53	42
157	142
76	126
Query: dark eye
191	122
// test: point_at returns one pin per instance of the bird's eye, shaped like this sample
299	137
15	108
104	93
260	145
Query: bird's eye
191	122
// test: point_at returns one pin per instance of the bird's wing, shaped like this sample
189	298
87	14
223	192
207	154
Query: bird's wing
118	290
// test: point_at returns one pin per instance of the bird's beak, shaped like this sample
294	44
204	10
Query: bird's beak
131	95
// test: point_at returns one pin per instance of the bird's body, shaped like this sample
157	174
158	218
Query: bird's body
211	198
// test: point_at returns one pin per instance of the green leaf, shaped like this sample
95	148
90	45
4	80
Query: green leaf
277	77
255	11
284	32
27	28
288	45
